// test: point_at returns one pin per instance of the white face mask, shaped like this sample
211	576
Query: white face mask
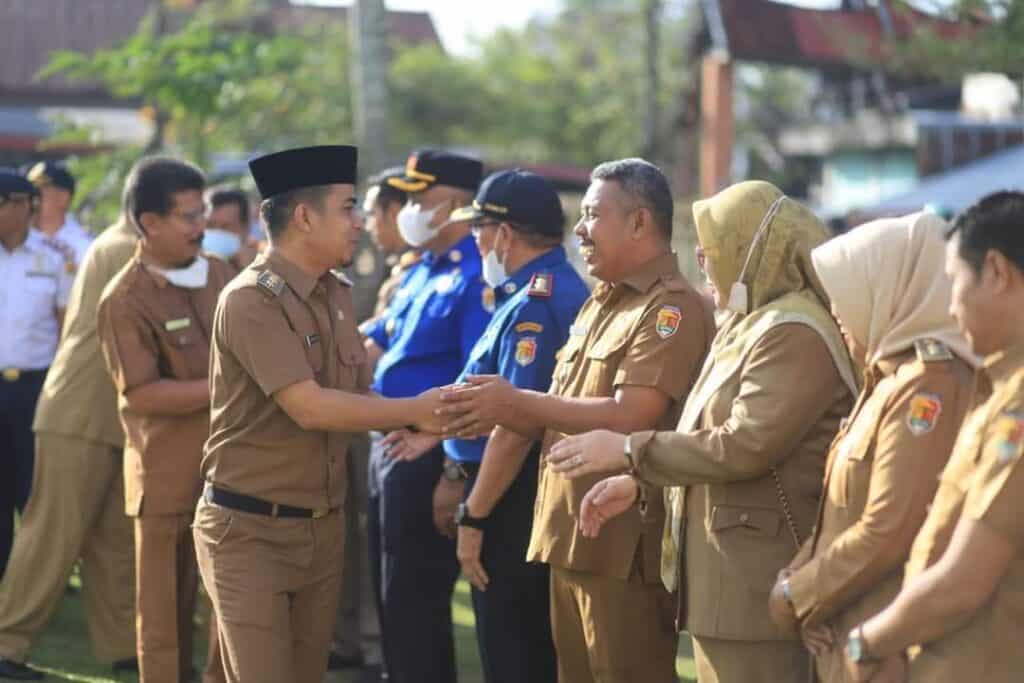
414	224
192	277
223	243
493	269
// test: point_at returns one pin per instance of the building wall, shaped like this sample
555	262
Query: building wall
857	178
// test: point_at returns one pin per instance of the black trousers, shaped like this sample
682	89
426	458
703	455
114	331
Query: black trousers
417	569
17	451
513	616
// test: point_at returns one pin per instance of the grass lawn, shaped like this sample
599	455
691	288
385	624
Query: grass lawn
64	650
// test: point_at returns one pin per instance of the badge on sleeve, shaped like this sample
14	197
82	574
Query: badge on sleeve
924	413
526	350
1009	437
668	321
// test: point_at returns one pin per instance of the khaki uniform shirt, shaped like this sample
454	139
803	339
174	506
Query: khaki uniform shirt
780	411
985	481
151	330
881	474
652	330
78	399
276	326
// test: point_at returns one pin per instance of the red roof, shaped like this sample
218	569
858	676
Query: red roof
777	33
30	30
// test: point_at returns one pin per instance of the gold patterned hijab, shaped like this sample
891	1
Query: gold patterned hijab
888	286
753	234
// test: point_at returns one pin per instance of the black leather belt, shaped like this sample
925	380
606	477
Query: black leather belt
258	506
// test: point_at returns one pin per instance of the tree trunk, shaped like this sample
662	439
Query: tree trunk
368	30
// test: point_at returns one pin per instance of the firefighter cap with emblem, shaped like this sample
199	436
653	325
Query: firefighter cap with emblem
51	173
428	167
294	169
520	197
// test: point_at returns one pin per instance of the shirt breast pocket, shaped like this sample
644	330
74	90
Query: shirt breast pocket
40	289
351	359
439	305
604	357
852	474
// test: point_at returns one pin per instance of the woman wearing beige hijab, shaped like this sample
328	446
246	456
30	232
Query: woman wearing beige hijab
891	297
746	460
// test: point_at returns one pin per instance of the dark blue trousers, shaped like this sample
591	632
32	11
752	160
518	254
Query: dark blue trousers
417	569
17	451
513	616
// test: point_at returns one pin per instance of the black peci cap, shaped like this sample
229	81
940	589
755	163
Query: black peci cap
433	167
519	197
51	173
293	169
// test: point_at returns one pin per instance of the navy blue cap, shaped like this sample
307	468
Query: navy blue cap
428	167
12	185
294	169
51	173
517	196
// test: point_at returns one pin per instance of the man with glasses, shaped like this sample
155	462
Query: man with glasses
155	320
32	302
422	341
518	224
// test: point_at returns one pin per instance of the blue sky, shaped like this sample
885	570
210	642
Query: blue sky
457	20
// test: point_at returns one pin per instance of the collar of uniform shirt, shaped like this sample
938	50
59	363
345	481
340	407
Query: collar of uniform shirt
298	280
522	277
463	246
651	272
1001	365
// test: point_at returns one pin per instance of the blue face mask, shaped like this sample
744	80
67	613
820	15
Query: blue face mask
221	242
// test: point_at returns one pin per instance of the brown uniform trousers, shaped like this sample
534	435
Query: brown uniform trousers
76	510
151	330
275	581
736	534
985	481
611	617
881	474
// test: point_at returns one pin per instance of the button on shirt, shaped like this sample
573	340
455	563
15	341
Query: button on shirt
36	285
434	321
524	335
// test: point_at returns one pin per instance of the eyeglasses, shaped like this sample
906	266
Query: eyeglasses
191	217
477	228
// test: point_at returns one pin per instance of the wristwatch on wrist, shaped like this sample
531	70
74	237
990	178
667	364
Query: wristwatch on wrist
627	450
463	518
453	471
857	647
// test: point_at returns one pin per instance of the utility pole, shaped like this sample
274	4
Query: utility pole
368	32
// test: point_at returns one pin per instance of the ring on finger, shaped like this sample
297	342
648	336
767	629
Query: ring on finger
577	461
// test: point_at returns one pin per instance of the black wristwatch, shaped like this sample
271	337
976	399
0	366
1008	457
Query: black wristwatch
463	518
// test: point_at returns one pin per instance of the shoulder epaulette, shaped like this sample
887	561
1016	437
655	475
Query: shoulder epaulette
409	259
342	278
932	350
542	285
674	282
270	282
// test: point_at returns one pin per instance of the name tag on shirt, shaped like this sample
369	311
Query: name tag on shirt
177	324
577	330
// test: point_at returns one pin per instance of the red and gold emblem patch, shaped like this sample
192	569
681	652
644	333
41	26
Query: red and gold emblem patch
526	350
924	413
1009	437
668	321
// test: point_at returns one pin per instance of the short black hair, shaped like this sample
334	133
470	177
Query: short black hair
276	211
994	222
645	184
223	195
152	184
387	194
